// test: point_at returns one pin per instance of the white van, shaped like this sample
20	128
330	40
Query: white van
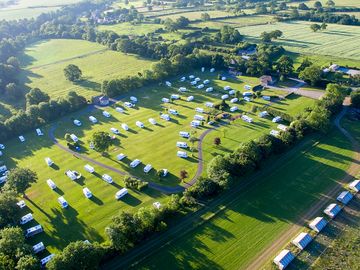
181	144
121	193
184	134
77	123
114	130
182	154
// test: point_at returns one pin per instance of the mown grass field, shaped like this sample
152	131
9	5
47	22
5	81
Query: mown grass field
131	29
44	64
338	3
29	9
86	219
298	38
243	21
196	15
258	215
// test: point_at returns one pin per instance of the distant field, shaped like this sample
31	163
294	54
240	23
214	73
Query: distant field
131	29
236	22
33	8
338	3
196	15
336	41
45	62
356	14
261	212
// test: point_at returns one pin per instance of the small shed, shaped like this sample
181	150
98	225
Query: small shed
344	197
284	258
302	240
318	224
332	210
355	185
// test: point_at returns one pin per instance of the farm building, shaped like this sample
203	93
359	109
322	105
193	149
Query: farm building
344	197
302	240
284	258
318	224
266	80
332	210
355	185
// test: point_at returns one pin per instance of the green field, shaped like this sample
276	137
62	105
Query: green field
86	219
257	216
131	29
196	15
298	38
243	21
338	3
29	9
44	63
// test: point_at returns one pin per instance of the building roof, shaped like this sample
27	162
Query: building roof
355	185
318	224
345	197
302	240
332	210
284	259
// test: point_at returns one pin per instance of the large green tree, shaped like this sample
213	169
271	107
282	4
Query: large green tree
102	141
285	65
311	74
20	179
72	73
355	98
9	211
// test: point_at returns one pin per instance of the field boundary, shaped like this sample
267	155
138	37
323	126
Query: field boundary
328	196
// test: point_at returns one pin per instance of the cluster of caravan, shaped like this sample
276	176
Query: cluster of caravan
317	225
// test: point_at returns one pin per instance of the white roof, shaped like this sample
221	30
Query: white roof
284	259
345	197
302	240
47	259
121	156
121	193
355	185
332	210
318	224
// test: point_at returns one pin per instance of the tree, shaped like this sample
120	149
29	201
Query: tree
20	179
311	74
126	2
303	6
13	91
35	96
183	174
192	140
315	27
102	141
317	5
27	262
182	22
330	3
9	211
323	26
217	141
77	255
72	73
205	16
285	65
355	98
304	64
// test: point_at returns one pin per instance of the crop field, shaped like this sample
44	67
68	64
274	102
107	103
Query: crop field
86	219
131	29
44	63
285	188
298	38
196	15
28	9
238	22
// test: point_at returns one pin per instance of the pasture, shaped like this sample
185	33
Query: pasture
196	15
242	21
86	219
131	29
257	215
299	38
338	3
44	63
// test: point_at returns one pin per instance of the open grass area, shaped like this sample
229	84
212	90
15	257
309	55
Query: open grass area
196	15
261	212
338	3
236	22
298	38
86	219
131	29
44	64
29	9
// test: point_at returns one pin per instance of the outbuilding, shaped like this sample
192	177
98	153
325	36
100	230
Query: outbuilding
284	258
302	240
332	210
345	197
318	224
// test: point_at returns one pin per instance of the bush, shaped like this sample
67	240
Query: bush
131	182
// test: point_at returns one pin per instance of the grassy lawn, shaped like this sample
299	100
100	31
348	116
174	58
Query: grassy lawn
131	29
338	3
236	22
259	215
299	38
45	62
196	15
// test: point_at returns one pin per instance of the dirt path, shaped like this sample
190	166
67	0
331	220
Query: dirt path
354	168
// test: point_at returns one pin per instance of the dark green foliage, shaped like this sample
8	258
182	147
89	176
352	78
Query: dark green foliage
20	179
131	182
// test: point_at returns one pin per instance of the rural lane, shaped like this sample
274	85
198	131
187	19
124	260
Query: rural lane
354	168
